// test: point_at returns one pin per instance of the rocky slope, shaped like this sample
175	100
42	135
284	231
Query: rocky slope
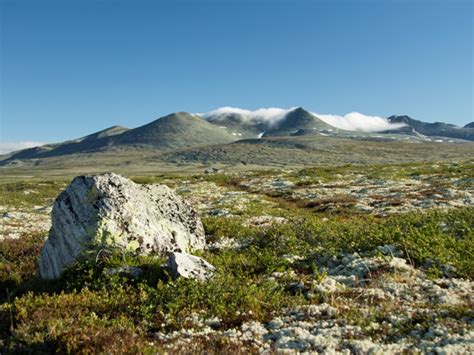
437	129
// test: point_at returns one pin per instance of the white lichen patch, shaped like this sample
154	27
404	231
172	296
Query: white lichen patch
15	223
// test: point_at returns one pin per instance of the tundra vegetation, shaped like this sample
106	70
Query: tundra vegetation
367	257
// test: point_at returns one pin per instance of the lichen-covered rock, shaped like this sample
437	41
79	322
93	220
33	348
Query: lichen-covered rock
189	267
110	210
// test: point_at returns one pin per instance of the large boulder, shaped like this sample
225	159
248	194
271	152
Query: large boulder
110	210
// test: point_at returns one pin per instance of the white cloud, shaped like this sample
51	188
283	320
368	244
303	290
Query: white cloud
270	116
353	121
356	121
7	147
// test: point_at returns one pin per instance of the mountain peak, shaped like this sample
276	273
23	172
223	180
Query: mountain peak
299	110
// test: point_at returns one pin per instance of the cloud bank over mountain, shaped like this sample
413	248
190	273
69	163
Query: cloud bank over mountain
270	116
353	121
7	147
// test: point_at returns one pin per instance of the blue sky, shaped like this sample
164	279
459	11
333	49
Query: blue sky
69	68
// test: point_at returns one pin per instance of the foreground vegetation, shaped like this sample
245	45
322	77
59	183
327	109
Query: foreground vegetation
88	308
92	309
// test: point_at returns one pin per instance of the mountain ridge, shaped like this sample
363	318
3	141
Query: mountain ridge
91	142
436	129
181	130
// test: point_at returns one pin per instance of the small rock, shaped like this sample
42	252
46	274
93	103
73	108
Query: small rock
189	267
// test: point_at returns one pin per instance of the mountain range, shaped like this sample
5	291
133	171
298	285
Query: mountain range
220	127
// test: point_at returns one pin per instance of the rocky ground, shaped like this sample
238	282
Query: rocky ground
253	194
382	300
17	223
393	301
353	191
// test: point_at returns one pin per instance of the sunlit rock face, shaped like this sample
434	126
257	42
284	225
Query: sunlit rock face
111	211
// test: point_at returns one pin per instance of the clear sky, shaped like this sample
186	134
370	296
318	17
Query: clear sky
69	68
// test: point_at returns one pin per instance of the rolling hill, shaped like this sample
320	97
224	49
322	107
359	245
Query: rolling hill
177	130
